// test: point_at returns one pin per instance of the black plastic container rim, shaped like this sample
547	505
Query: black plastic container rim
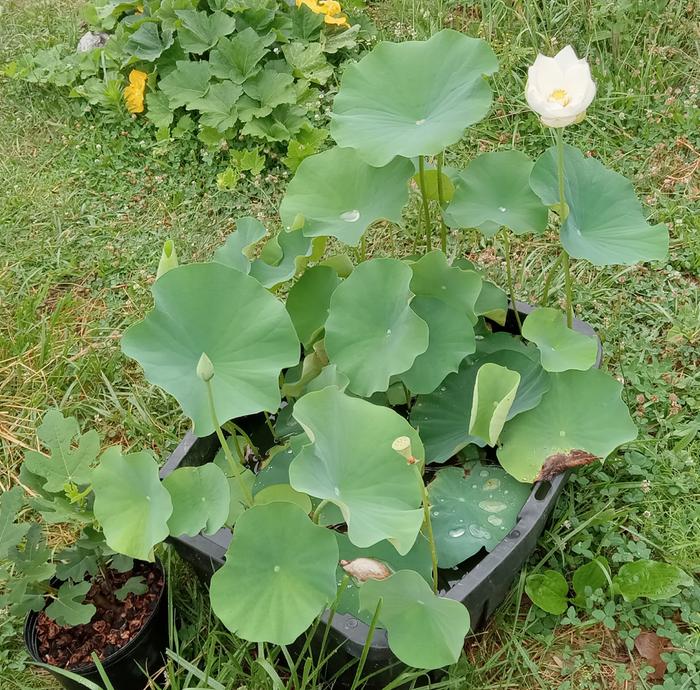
31	639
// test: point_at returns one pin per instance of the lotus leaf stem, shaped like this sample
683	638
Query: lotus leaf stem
367	645
316	515
429	528
559	133
548	280
269	426
441	200
331	613
424	195
509	276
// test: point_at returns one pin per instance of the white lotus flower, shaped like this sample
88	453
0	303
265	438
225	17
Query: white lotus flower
559	89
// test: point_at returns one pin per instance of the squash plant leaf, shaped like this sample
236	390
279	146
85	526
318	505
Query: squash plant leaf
68	608
131	504
200	31
149	41
308	62
271	88
238	58
218	108
200	497
493	192
237	251
580	419
494	392
606	224
413	98
353	465
412	614
561	348
473	508
67	464
187	83
371	331
244	330
548	590
338	194
11	534
309	300
265	594
652	580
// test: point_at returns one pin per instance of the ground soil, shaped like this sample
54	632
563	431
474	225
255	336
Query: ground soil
114	624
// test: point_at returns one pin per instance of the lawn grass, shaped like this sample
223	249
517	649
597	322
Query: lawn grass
86	202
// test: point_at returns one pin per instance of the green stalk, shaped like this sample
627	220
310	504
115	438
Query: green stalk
365	649
441	200
509	277
559	134
331	614
424	196
548	280
237	471
269	426
316	515
429	527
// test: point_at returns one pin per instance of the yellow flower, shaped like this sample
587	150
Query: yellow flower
337	21
133	94
331	10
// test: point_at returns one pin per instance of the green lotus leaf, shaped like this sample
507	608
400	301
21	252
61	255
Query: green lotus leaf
238	58
412	615
580	419
218	108
11	533
561	348
494	191
283	493
131	505
417	559
650	580
66	464
548	590
237	250
294	249
149	41
309	300
494	392
244	330
200	497
414	98
473	507
451	339
350	462
294	386
265	594
187	83
67	609
200	31
371	331
432	190
606	224
338	194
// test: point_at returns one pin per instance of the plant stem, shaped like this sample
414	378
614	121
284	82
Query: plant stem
429	527
236	470
365	649
269	426
548	280
441	200
316	515
559	134
247	438
331	614
426	209
509	277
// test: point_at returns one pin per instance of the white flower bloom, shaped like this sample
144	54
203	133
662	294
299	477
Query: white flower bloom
559	89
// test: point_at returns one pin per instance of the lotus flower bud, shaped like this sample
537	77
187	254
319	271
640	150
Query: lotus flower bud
364	569
205	368
168	258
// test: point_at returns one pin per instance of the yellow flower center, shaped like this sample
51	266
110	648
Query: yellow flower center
560	96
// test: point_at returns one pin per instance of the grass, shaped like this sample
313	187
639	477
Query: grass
86	203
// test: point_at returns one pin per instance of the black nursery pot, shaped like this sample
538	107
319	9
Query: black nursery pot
128	666
480	583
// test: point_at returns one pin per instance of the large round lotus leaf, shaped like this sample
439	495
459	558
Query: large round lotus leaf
494	393
200	497
561	348
434	277
131	505
414	98
451	339
424	630
473	507
371	332
606	224
308	302
244	330
494	191
417	559
351	463
278	576
442	417
580	419
340	195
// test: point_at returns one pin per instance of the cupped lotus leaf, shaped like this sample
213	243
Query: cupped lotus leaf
434	277
350	462
493	192
309	300
200	497
442	417
187	83
266	593
412	614
492	303
580	419
451	339
371	332
293	250
605	224
243	329
652	580
237	251
561	348
417	559
414	98
297	378
131	504
340	195
238	58
494	392
473	507
329	376
200	31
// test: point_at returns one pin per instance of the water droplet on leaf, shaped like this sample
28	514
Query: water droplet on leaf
350	216
457	532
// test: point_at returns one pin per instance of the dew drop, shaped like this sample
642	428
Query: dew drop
443	287
502	209
435	513
352	623
461	499
479	532
473	486
388	331
495	520
276	568
336	491
562	433
350	216
148	498
491	484
457	532
443	388
492	506
420	122
203	499
484	473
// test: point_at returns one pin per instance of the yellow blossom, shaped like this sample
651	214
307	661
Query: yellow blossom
331	10
133	94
